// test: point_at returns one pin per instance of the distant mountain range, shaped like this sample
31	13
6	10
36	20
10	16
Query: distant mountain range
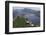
26	11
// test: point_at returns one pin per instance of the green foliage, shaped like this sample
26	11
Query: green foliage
19	22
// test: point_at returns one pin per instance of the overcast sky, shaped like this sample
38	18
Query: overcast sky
33	8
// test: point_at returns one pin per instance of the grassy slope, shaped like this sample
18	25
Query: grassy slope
19	22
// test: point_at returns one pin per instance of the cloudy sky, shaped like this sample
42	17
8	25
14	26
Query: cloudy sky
33	8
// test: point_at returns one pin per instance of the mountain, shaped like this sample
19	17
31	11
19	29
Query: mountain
32	15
